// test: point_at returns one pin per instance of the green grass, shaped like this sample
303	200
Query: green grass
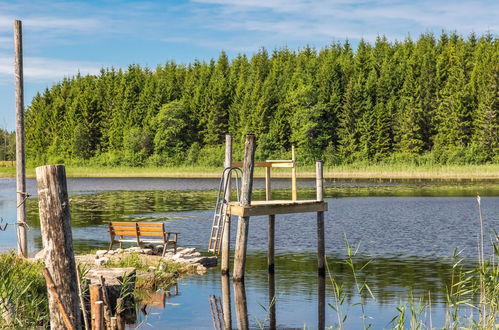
360	170
23	293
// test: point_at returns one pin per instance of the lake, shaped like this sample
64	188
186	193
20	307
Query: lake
405	230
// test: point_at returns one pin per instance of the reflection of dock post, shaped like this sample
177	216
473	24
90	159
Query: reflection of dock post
243	222
241	306
226	229
227	313
321	303
272	301
320	220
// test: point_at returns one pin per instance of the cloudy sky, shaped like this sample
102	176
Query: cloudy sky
64	37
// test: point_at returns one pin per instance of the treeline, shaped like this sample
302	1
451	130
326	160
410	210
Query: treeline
430	100
7	145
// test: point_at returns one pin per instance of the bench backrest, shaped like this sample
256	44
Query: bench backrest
141	229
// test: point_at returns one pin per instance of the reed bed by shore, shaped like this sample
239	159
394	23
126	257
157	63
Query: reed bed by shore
361	171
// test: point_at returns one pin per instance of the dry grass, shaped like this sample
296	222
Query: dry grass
398	171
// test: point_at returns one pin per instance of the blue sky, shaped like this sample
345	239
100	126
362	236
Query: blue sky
64	37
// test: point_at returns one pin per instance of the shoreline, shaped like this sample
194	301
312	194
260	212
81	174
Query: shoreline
454	172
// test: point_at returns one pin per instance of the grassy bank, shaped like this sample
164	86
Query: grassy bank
384	171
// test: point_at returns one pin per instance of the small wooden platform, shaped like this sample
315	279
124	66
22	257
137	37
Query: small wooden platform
258	208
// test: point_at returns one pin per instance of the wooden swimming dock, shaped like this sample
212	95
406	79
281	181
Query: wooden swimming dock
244	208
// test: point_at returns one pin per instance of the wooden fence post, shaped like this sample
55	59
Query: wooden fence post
320	221
55	223
226	230
243	222
96	310
22	241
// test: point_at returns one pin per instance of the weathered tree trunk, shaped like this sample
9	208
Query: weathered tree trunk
243	223
55	222
22	241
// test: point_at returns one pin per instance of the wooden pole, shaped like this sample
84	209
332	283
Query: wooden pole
22	241
271	233
320	220
321	303
272	301
96	310
294	193
227	313
55	295
105	300
243	222
226	230
55	223
241	306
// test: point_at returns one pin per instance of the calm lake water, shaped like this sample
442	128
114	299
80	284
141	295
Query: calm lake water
407	230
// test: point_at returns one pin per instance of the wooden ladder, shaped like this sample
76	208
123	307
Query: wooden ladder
221	209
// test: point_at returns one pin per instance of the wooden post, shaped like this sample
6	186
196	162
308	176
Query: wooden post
120	318
272	301
294	193
227	313
226	230
320	220
96	310
55	223
55	295
241	306
243	222
268	184
271	233
321	303
271	244
22	241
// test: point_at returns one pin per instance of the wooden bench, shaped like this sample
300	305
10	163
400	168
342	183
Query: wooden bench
141	233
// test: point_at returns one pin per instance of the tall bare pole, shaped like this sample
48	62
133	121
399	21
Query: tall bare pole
22	241
226	230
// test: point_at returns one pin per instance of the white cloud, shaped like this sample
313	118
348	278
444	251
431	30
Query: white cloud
39	69
317	20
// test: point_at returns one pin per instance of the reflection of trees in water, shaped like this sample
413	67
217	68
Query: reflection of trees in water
96	209
390	279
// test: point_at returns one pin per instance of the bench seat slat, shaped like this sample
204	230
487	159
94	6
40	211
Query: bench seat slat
124	233
141	234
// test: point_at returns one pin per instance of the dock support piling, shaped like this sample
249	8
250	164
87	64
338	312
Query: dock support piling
243	222
55	224
271	234
226	229
22	240
294	192
320	221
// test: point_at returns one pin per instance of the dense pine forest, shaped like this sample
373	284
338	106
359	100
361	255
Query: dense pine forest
433	100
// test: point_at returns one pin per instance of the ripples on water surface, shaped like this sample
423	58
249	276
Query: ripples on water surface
408	229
